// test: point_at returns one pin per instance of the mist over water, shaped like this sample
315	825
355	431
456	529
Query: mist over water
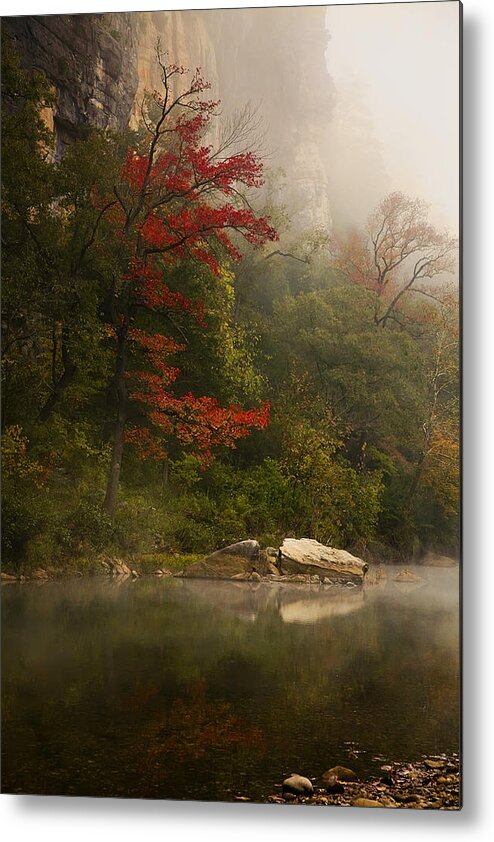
207	690
210	690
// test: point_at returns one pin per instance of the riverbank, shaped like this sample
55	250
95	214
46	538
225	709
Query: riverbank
432	784
167	563
143	564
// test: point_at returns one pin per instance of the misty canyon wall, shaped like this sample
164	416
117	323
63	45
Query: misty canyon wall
100	65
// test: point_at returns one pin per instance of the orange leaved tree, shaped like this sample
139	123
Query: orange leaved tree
398	254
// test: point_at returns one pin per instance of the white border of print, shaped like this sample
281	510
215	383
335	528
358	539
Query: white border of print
56	819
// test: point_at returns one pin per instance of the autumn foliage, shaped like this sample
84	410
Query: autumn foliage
398	254
145	327
198	423
177	199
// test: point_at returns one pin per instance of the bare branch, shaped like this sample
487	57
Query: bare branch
287	254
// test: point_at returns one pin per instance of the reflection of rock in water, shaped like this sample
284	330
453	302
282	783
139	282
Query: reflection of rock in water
243	599
293	603
321	607
408	587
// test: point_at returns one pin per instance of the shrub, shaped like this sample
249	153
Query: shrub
87	527
21	520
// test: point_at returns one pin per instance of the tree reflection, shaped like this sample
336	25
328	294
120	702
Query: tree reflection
193	726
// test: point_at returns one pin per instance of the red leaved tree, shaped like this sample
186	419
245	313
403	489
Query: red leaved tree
177	198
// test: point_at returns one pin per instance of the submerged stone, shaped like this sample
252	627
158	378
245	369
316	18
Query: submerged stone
341	773
333	785
366	802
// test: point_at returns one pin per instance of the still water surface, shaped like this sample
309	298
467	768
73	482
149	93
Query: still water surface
208	690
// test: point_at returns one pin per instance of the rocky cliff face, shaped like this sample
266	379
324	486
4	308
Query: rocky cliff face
91	61
102	64
186	38
276	59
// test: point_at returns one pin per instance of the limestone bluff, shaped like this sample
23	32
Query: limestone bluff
100	64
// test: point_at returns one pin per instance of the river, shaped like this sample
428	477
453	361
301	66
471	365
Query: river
168	688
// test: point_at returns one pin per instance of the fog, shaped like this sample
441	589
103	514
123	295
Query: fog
395	124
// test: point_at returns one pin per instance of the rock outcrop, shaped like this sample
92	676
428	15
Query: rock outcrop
303	561
91	60
117	568
231	562
309	557
272	58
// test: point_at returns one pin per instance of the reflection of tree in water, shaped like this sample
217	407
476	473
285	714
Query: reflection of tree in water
193	726
112	705
238	676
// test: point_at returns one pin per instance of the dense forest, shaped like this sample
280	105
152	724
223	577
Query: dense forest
181	369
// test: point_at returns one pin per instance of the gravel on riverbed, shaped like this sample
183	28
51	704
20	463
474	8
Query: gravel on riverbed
430	784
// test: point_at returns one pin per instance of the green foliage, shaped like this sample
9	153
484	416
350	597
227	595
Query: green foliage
88	527
362	448
21	487
340	505
220	359
20	522
139	523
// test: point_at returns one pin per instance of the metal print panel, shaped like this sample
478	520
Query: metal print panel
230	409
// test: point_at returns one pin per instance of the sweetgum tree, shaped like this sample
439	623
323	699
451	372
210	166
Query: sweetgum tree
176	199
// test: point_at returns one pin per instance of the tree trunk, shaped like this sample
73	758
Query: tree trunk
110	501
165	476
417	474
60	383
5	397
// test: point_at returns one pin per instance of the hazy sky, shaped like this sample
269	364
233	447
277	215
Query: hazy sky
404	56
